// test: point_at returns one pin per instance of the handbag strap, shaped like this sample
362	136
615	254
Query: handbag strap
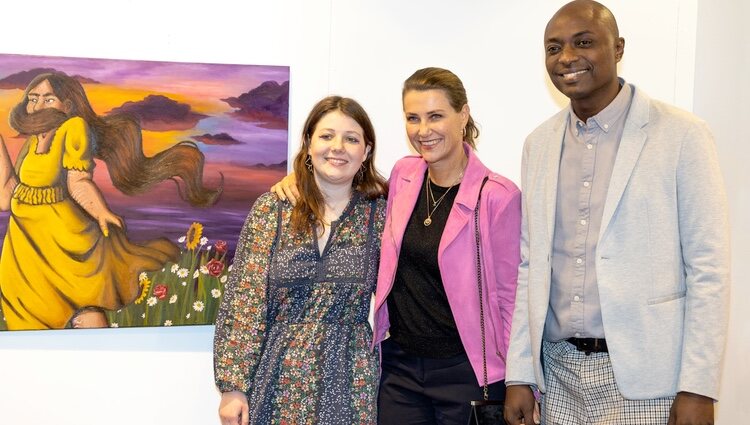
486	389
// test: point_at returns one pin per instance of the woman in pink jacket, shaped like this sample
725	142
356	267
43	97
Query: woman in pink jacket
427	315
427	298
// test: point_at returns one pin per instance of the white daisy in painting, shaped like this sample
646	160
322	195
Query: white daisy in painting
143	276
114	325
182	273
151	301
229	269
173	299
195	275
223	279
204	240
167	323
143	315
182	239
174	268
198	306
187	316
183	283
215	293
204	269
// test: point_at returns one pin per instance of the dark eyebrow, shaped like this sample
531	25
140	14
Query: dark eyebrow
578	34
43	94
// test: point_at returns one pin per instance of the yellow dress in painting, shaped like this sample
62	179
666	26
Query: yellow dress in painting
55	258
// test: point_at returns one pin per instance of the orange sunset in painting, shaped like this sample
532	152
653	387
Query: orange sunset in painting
236	115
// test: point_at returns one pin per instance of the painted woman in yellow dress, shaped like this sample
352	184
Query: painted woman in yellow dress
65	253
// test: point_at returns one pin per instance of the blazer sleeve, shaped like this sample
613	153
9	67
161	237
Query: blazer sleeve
520	364
241	321
704	238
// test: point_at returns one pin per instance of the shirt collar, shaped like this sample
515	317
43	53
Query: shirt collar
608	116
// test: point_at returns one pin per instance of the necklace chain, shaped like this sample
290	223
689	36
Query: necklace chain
431	198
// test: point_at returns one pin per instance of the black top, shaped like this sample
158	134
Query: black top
421	319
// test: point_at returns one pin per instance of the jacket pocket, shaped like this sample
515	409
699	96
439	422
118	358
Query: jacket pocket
666	298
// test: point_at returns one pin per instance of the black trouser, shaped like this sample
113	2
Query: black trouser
417	390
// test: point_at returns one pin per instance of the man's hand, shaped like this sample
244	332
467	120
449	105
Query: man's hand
520	406
691	409
287	189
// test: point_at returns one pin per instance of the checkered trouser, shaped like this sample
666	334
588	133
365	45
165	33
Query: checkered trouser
581	389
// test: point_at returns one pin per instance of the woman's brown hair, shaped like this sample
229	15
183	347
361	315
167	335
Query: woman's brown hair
442	79
117	141
309	210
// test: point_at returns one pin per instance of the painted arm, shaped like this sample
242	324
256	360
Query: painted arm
8	178
83	190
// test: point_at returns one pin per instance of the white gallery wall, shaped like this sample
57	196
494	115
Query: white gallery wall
722	97
687	52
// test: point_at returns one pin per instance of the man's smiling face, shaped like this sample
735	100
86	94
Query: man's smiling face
582	49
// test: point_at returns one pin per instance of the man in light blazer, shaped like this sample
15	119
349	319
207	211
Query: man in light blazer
621	307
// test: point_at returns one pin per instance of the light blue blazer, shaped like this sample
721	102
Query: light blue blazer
662	258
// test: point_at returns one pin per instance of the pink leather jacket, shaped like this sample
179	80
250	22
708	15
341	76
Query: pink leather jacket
500	229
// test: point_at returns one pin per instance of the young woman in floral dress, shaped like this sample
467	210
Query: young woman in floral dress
292	340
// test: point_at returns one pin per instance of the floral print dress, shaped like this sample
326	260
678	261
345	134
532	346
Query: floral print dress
292	331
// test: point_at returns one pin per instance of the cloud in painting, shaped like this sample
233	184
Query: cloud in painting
217	139
160	113
267	104
20	80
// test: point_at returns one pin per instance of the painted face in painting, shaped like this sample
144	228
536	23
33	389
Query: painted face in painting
434	128
582	49
337	149
43	97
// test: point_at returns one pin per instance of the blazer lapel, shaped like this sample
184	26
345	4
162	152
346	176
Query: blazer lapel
631	145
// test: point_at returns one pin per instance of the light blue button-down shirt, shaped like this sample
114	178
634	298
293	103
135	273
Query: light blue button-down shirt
588	156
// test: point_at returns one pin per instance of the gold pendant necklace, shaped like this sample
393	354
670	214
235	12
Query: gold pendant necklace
430	197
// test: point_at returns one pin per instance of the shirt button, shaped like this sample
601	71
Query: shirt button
583	222
586	184
606	126
579	261
589	146
576	298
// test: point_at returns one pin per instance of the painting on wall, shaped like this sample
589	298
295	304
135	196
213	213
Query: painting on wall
124	185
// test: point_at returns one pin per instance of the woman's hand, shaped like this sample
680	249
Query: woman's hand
233	409
108	217
287	189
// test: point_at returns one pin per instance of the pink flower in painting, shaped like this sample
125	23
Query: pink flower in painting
221	247
215	267
160	291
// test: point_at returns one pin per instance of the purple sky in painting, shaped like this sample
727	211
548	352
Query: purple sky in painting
151	73
204	81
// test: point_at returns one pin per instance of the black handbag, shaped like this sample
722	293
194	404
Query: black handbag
485	411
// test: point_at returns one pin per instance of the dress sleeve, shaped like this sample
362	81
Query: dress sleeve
78	153
241	321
